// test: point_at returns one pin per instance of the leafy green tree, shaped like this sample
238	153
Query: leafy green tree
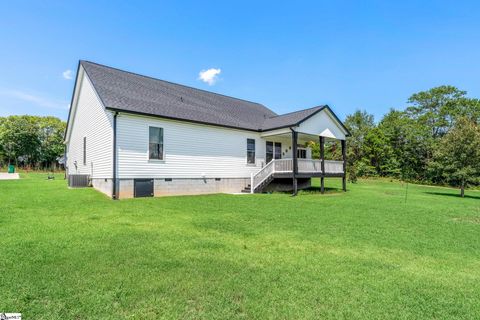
3	151
409	143
458	155
435	108
359	124
467	108
51	132
315	146
378	152
31	140
19	137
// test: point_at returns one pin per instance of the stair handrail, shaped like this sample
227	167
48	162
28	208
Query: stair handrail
262	175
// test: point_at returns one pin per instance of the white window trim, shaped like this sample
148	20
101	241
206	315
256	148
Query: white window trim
148	145
306	152
282	143
254	164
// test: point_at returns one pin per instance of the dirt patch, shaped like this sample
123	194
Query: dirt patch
9	176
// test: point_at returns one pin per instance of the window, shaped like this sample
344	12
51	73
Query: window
273	150
269	151
301	153
84	151
278	150
155	146
251	151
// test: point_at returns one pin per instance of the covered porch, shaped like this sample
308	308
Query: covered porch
295	162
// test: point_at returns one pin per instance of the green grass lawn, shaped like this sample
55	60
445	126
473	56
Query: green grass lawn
364	254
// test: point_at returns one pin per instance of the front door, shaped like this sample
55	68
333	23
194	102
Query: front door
273	151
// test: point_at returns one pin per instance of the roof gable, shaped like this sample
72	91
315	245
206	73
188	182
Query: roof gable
323	123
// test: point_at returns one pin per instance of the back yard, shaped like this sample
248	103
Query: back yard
75	254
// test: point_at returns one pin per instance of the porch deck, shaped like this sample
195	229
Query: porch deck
307	168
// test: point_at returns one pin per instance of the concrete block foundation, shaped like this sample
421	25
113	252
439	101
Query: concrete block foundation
180	186
103	185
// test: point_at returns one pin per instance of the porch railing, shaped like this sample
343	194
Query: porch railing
286	165
262	175
282	165
309	165
332	166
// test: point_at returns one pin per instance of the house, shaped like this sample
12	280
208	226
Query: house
130	135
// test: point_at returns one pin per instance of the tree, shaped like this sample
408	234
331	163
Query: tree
468	108
359	124
378	152
409	142
31	140
436	108
315	146
51	132
458	155
19	138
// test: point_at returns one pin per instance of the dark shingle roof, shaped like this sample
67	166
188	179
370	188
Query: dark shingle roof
129	92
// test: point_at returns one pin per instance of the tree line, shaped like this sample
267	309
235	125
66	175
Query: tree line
436	140
31	141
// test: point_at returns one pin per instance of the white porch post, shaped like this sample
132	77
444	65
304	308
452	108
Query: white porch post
251	182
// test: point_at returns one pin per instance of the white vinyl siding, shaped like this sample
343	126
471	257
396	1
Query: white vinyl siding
190	150
92	125
322	124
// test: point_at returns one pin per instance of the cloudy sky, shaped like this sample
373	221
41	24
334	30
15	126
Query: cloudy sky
287	55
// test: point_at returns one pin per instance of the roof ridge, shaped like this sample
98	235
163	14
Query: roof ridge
284	114
174	83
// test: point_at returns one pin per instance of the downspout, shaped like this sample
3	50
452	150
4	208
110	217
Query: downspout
65	162
114	180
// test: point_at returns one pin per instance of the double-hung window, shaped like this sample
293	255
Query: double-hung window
301	153
155	145
251	151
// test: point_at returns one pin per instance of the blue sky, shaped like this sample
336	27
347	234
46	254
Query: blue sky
287	55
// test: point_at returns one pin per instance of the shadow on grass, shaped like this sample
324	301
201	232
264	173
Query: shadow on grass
313	190
456	195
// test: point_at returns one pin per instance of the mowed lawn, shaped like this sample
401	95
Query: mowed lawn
364	254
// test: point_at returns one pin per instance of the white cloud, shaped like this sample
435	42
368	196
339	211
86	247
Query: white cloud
67	74
209	76
35	99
